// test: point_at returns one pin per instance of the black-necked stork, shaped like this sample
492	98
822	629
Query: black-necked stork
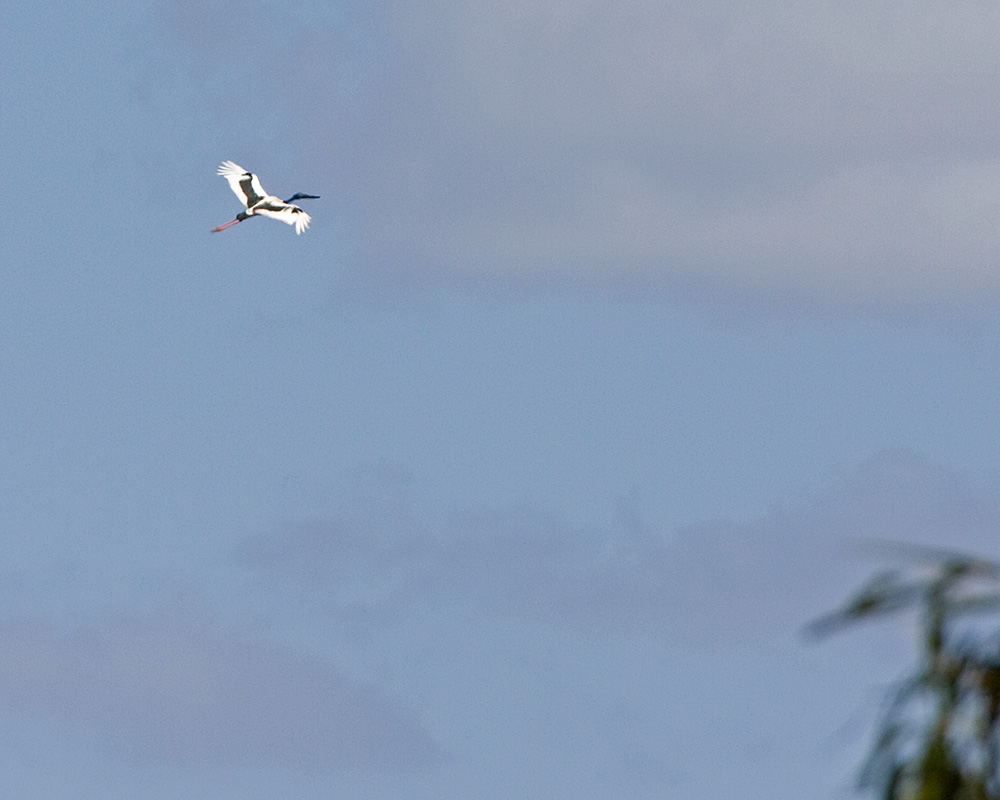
246	186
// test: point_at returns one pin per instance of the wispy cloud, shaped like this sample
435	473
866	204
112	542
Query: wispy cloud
717	580
181	690
844	156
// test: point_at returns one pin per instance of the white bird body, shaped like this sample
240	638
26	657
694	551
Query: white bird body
246	186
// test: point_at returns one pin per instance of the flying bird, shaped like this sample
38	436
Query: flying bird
246	186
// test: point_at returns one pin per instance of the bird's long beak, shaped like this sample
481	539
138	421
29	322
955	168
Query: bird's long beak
227	225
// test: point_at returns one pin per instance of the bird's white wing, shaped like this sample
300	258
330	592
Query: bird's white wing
245	185
291	215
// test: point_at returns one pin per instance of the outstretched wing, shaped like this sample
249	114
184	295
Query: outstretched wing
245	185
289	214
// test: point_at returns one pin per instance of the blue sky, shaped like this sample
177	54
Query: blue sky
519	472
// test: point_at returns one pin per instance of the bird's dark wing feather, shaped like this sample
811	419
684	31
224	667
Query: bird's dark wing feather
246	184
268	205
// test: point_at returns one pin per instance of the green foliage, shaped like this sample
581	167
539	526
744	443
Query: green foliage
938	735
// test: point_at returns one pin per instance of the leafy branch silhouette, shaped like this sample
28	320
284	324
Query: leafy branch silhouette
937	737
